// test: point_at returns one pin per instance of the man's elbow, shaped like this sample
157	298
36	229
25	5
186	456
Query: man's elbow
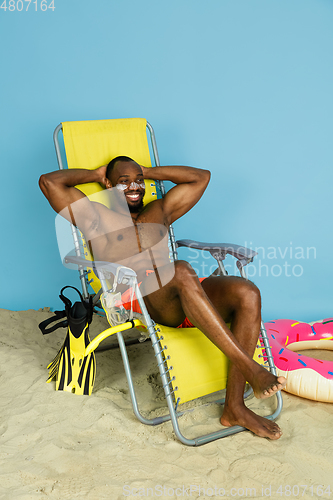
44	184
206	177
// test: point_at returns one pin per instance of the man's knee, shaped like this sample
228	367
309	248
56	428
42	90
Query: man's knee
249	295
184	272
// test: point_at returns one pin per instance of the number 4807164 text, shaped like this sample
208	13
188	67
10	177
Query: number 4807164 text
23	5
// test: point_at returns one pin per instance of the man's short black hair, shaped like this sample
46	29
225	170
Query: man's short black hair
113	162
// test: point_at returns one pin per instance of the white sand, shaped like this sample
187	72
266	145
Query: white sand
62	446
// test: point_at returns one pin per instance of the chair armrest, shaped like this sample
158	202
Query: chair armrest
220	250
124	275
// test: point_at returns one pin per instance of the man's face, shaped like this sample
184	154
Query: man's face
128	178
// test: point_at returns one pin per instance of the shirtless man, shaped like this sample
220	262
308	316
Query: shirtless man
210	305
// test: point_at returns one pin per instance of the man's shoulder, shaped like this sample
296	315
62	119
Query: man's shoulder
153	212
154	205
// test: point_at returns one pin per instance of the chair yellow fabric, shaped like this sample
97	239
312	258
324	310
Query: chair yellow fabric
91	144
198	366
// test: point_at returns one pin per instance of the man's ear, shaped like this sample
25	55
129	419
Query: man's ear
108	184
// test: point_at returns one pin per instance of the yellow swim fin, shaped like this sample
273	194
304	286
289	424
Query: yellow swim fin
72	370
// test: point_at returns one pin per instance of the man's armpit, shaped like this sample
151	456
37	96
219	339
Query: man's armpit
82	214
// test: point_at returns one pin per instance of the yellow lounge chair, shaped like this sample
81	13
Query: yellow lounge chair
185	372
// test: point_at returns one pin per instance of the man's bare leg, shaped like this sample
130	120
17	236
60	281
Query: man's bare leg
185	296
238	302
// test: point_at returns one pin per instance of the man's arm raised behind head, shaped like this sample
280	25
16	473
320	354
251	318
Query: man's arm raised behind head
59	188
190	185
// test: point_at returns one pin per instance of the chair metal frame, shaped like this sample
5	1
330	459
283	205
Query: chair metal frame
128	277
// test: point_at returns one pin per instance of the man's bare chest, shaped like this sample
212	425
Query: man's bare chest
121	236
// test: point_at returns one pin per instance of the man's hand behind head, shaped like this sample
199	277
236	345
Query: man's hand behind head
101	172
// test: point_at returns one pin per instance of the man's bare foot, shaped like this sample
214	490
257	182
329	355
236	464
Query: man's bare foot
246	418
265	384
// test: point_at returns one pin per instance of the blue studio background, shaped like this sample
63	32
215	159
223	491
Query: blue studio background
242	87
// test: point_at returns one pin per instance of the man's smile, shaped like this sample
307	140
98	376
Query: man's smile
133	196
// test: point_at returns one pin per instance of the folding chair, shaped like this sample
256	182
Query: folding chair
92	144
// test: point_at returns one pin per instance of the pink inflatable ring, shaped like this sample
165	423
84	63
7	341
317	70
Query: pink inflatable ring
306	377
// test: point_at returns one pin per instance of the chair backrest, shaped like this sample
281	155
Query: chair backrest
91	144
